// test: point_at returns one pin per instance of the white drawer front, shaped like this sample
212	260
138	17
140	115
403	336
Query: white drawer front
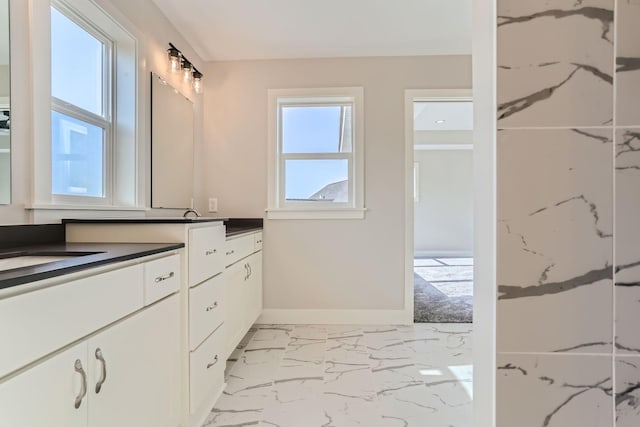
257	239
206	253
61	314
238	248
207	305
161	278
206	369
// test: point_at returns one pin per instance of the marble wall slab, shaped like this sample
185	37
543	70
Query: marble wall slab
555	63
627	164
627	391
554	391
628	63
555	243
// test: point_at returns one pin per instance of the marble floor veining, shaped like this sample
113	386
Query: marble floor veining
343	376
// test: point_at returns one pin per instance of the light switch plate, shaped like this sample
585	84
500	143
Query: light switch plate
213	204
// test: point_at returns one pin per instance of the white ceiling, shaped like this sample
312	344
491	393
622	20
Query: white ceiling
273	29
456	116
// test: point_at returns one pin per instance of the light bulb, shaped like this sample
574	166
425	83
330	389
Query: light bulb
186	71
197	81
175	59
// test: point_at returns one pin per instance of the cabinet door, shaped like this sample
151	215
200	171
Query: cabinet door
236	276
142	365
45	395
253	290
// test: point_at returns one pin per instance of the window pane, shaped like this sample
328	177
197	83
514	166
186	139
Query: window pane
76	64
317	180
316	129
77	157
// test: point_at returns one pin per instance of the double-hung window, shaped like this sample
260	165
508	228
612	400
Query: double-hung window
86	151
316	143
81	108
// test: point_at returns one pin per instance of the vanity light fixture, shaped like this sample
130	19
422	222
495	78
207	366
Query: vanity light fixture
175	59
197	81
178	63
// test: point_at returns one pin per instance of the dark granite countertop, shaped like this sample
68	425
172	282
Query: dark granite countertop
100	254
236	226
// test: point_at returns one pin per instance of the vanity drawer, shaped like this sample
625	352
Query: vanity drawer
206	309
257	239
238	248
61	314
206	253
206	369
161	278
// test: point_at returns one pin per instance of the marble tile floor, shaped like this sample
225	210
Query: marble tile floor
344	376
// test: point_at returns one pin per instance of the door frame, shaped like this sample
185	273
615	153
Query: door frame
410	96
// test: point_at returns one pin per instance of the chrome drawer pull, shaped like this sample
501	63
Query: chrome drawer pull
213	306
231	252
83	390
215	360
165	277
259	241
207	253
103	375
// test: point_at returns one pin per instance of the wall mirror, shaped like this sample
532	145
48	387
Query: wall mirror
5	110
172	121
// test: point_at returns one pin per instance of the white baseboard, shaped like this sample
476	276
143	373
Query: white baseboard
336	317
443	254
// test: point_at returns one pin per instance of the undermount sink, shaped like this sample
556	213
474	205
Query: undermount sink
13	260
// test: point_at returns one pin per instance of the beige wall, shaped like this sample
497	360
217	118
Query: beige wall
328	264
153	31
443	219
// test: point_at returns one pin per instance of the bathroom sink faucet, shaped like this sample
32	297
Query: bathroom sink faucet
191	211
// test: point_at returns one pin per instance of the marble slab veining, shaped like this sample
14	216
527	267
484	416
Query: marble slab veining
627	388
628	63
627	276
555	63
554	391
555	241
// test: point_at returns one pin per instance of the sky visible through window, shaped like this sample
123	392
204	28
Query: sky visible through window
76	64
313	129
77	78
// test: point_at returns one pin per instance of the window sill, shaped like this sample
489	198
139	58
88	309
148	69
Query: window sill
83	207
357	213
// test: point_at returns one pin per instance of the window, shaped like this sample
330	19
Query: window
81	113
316	146
86	103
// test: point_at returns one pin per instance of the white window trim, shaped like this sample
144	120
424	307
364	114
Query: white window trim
124	161
315	210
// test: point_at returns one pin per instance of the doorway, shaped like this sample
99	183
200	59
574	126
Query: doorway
439	129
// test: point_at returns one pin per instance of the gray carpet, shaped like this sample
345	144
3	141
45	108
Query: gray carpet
443	290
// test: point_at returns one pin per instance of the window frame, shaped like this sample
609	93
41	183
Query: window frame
125	164
278	206
104	121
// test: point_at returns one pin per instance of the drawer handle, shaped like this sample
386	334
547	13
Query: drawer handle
165	277
83	390
103	374
207	253
215	360
246	268
231	252
212	306
259	241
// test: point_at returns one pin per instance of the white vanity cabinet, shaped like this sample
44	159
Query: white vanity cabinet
203	307
125	373
244	284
